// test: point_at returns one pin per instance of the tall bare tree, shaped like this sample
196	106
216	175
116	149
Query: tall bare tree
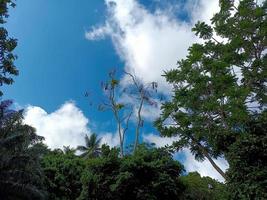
122	112
143	93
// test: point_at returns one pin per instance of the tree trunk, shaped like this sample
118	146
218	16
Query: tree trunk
121	140
215	166
206	154
139	121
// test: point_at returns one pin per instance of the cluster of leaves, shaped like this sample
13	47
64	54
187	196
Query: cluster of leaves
209	103
204	188
62	172
148	174
7	45
20	170
91	148
220	88
248	160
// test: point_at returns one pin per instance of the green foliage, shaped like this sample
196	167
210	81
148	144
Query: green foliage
218	90
203	30
248	162
148	174
204	188
62	173
91	148
218	108
20	171
68	150
7	45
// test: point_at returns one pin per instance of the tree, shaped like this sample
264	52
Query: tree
148	174
7	46
248	162
142	93
124	98
203	188
69	150
91	148
62	174
221	84
122	112
20	171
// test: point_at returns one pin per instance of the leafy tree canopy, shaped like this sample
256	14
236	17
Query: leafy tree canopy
248	162
62	174
220	88
7	45
203	188
91	148
20	171
148	174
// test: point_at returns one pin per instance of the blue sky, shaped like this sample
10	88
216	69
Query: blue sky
67	47
56	62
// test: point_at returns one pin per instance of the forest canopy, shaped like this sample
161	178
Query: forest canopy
217	110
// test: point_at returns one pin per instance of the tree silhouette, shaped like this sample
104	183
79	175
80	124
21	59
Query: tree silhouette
92	147
20	170
221	85
121	111
7	46
68	150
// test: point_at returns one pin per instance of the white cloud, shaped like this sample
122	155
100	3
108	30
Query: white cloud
147	42
149	112
110	139
203	168
151	42
159	141
201	10
65	126
98	33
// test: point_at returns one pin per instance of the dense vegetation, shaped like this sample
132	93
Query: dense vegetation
20	171
218	108
150	173
203	188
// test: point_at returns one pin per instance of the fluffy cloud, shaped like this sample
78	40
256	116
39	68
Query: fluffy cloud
65	126
204	168
151	42
159	141
110	139
147	42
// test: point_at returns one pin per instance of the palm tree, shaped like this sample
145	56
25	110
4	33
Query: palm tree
92	147
68	150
